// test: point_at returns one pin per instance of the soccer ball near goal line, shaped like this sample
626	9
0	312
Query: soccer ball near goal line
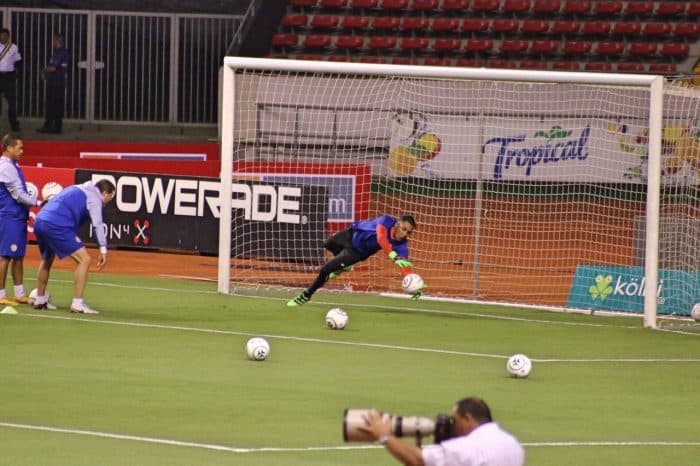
695	312
257	348
519	366
336	319
412	283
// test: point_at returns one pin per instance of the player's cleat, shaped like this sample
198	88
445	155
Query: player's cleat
301	299
21	300
39	306
8	302
335	274
83	309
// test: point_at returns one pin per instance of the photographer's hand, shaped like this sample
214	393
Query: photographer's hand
380	428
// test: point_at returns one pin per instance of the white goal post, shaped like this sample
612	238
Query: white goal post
522	182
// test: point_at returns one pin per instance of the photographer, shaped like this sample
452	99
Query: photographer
477	440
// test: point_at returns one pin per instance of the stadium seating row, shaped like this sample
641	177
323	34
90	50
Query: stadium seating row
505	46
417	24
544	7
562	65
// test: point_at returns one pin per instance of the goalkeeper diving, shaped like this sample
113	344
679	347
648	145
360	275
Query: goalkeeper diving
360	241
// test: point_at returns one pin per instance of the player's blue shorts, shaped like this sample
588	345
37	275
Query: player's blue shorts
55	240
13	238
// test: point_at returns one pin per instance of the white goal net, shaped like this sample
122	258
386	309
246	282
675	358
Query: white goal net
535	188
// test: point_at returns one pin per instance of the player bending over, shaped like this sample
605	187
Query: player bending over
360	241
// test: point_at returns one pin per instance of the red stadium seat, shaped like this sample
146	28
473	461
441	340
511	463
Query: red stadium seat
577	47
446	45
533	65
671	9
470	62
334	3
303	3
694	9
593	66
475	25
686	29
566	66
437	61
306	56
639	8
364	4
505	26
662	67
394	4
385	23
444	24
596	28
339	58
576	7
534	26
607	8
656	29
381	42
502	64
626	29
630	67
354	22
566	27
609	47
425	5
514	45
294	21
285	40
642	48
485	6
455	5
413	43
317	41
546	7
516	6
674	49
544	46
349	42
325	21
478	45
404	61
373	60
414	23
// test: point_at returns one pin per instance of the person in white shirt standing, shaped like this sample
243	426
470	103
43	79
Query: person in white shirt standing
10	59
477	440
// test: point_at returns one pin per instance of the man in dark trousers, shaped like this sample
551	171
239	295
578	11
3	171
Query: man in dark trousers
10	59
55	75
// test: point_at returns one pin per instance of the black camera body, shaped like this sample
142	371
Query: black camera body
401	426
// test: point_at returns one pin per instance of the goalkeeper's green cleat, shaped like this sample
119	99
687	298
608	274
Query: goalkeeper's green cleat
300	299
335	274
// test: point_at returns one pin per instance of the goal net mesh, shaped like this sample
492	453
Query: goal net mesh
518	189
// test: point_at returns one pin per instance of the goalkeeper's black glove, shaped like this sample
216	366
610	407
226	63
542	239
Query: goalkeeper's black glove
398	260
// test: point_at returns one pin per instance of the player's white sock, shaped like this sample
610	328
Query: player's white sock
77	303
19	291
41	299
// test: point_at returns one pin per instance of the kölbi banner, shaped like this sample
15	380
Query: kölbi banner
278	221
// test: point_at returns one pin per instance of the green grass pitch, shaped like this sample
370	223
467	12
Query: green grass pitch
160	377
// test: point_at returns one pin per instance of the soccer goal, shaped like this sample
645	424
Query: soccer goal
572	190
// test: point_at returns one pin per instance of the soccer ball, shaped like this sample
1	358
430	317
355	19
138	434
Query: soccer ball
519	366
258	349
50	190
695	312
336	319
412	283
35	292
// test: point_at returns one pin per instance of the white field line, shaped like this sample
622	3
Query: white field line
209	446
348	343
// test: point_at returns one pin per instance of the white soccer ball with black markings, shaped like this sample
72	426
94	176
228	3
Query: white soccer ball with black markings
336	319
519	366
695	312
50	190
412	283
258	349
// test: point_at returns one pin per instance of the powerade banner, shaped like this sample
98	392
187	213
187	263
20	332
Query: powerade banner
176	212
623	289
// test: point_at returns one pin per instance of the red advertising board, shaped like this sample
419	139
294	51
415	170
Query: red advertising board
37	178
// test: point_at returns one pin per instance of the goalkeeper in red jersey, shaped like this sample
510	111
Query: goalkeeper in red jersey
360	241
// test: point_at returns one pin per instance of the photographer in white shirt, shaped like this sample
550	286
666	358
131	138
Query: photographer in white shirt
477	440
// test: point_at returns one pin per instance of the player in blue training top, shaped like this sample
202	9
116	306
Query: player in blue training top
56	229
15	202
360	241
